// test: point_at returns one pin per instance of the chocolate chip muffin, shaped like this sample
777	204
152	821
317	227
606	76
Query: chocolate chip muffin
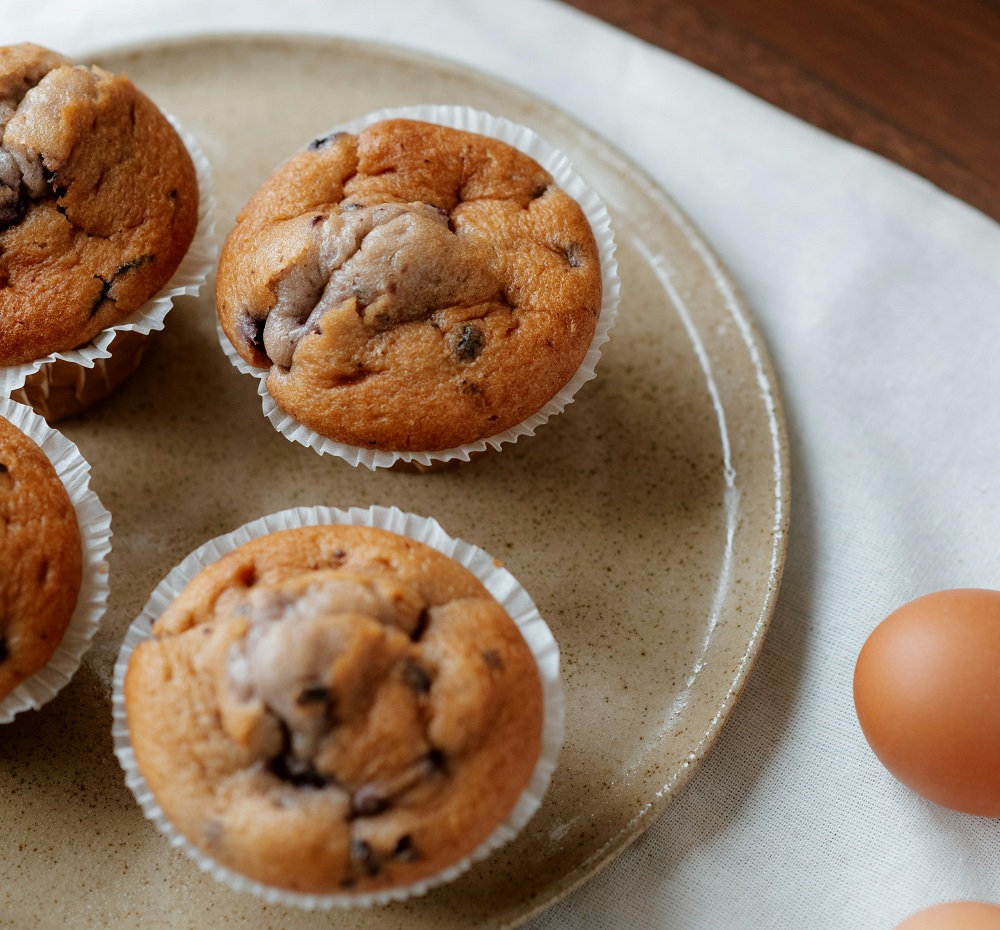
41	558
98	202
335	710
411	288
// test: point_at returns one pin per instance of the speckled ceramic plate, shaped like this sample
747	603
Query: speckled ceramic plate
648	521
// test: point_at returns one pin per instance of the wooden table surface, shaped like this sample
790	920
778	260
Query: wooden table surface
917	81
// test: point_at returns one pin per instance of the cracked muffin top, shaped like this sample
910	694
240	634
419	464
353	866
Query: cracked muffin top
335	709
41	558
412	287
98	202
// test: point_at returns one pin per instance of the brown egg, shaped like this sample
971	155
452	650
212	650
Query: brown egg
927	694
959	915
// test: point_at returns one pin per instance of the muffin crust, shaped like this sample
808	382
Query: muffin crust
412	288
335	709
41	558
98	202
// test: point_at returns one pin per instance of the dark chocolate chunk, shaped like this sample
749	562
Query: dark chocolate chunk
538	191
405	851
135	263
368	802
12	209
421	627
492	658
416	678
435	761
4	649
317	219
252	330
104	294
364	855
50	178
314	694
470	342
173	193
3	469
289	768
323	141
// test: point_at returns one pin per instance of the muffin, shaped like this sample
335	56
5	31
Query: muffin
41	558
55	536
98	202
411	287
334	710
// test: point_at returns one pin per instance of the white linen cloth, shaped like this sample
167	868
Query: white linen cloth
879	299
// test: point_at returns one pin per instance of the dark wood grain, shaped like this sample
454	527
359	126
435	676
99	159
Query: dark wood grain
917	81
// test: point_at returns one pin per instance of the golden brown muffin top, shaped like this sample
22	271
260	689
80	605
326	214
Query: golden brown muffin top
41	558
335	709
412	287
98	202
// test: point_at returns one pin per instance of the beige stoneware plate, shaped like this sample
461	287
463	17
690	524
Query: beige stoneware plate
648	521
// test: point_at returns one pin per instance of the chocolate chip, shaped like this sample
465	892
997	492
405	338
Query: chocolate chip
405	851
318	219
12	211
293	770
470	342
339	554
252	330
135	263
323	141
4	649
3	469
173	193
435	761
288	767
105	289
538	191
50	178
314	694
368	802
363	854
492	658
421	627
416	678
573	255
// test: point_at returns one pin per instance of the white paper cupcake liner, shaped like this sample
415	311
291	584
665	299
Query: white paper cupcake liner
497	580
187	280
95	533
561	169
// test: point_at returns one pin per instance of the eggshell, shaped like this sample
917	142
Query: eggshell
927	694
959	915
